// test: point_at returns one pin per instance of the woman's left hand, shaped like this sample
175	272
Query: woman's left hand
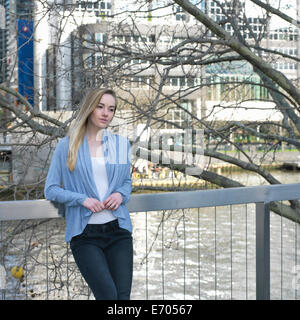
113	201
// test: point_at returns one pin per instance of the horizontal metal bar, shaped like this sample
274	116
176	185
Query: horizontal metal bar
38	209
213	197
27	209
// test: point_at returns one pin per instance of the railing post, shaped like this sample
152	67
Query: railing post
262	251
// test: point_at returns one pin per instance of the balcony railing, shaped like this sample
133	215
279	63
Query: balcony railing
211	244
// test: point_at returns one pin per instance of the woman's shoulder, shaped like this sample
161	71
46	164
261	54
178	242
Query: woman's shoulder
63	143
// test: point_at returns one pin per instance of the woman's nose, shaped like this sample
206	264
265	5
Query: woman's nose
105	111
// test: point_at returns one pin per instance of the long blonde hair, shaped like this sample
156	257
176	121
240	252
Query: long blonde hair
78	127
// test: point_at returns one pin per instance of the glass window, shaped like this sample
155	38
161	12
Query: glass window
191	82
98	37
174	81
88	61
98	59
182	81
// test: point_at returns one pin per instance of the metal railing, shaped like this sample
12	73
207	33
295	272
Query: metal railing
201	242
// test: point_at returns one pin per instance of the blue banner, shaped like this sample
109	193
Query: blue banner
25	59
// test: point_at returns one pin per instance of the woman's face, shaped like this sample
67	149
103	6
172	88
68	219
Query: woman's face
104	112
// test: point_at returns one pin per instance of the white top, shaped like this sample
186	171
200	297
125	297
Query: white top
100	177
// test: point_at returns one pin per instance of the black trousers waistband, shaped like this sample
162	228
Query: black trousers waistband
105	227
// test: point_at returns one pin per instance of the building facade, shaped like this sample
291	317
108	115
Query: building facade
83	44
80	55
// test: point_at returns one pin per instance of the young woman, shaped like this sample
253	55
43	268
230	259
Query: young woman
90	174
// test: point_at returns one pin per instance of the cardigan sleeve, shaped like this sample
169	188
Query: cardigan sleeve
125	189
53	190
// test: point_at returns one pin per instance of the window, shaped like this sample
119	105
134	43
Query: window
140	82
94	6
179	13
152	38
178	116
100	37
98	59
88	59
88	43
174	81
191	82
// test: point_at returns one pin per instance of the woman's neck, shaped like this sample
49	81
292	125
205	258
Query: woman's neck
94	135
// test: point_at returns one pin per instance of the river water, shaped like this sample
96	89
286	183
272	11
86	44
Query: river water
181	254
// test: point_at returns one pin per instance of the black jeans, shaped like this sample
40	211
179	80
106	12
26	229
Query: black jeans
104	256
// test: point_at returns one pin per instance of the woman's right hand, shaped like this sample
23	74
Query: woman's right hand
93	204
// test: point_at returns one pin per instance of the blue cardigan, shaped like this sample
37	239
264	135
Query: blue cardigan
72	188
